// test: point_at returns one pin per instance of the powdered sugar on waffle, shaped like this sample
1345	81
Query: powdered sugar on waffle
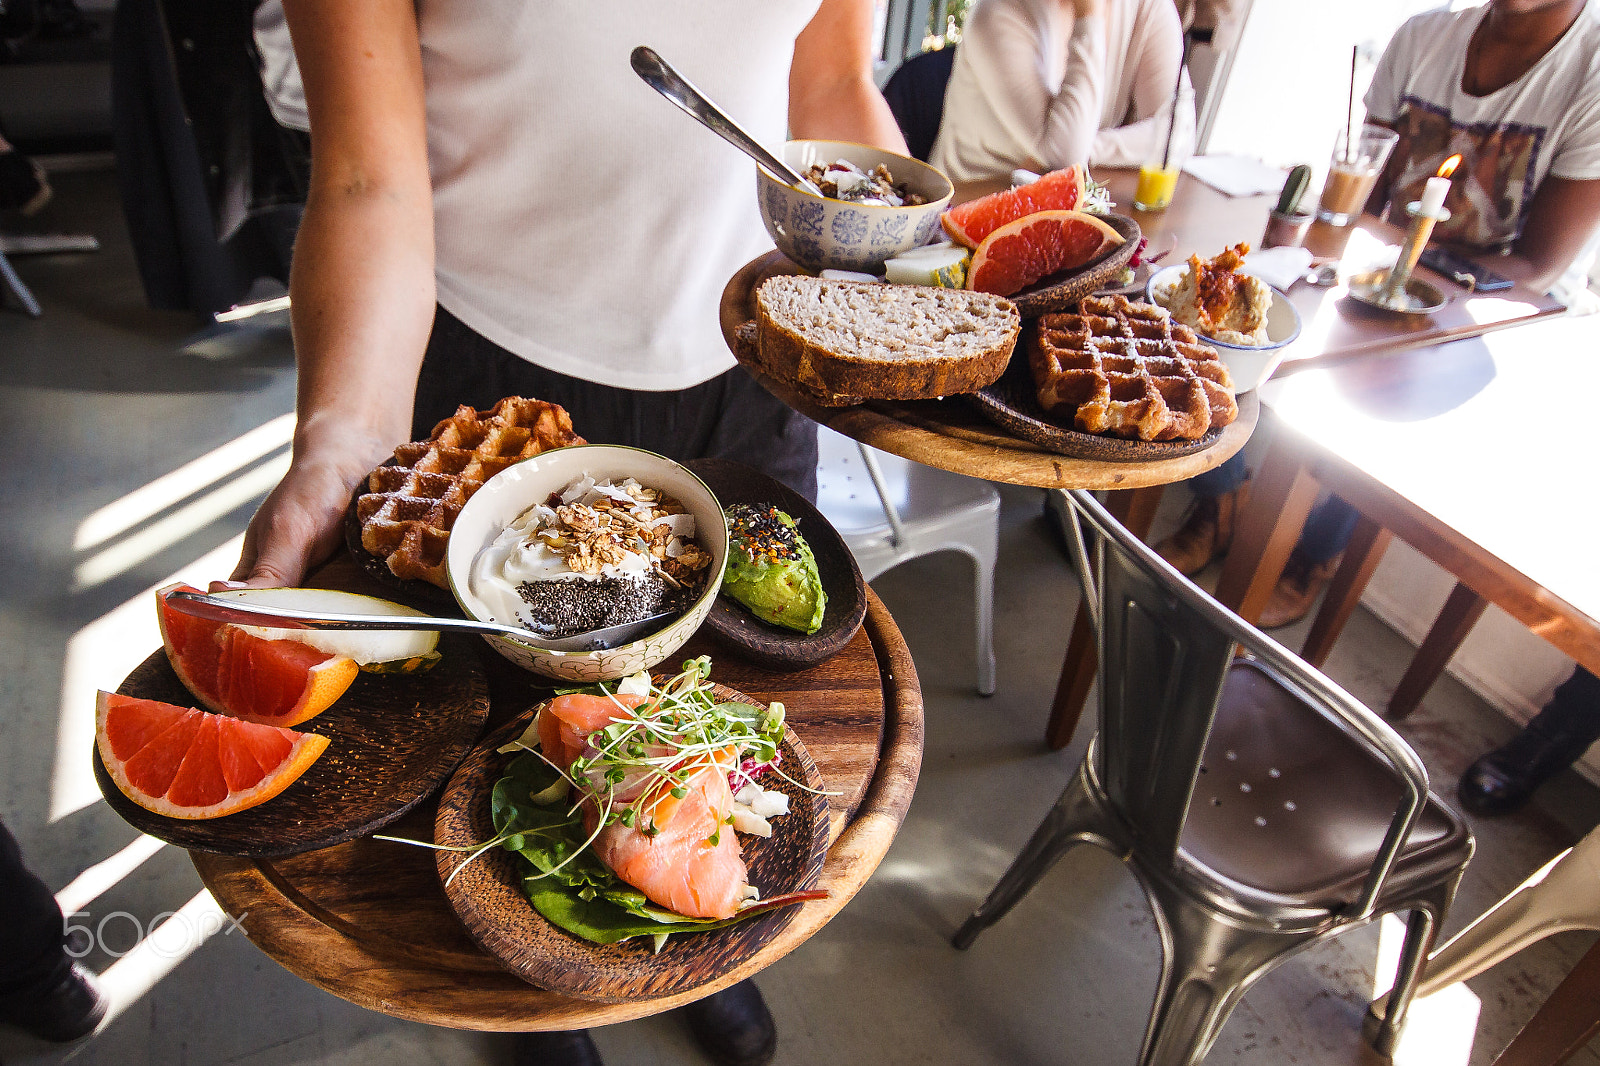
1126	369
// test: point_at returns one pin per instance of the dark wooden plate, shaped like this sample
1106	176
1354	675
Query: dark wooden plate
770	645
1059	293
487	893
392	739
1012	403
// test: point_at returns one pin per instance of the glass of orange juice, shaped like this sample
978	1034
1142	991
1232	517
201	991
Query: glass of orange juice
1156	182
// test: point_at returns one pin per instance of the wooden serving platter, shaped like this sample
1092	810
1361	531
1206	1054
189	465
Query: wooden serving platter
487	895
770	645
951	434
393	738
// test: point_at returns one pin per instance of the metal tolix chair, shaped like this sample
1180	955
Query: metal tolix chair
1261	807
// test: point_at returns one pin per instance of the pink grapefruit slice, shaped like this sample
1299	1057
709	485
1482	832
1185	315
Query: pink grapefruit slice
1059	190
185	763
1035	246
234	672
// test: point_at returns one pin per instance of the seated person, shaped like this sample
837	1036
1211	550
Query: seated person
1043	84
1513	88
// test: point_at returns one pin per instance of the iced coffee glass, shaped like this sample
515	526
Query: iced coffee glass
1352	172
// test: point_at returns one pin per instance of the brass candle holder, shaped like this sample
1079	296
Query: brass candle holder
1392	294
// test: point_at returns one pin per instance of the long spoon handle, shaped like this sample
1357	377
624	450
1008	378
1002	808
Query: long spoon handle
660	76
225	609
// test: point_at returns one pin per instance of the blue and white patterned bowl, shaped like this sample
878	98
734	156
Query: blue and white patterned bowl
504	497
823	234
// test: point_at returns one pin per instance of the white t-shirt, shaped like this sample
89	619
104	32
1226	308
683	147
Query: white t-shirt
1034	87
1547	122
581	220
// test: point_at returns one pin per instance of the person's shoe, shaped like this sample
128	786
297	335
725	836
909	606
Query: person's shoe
23	184
1207	532
66	1006
571	1048
733	1027
1302	582
1507	777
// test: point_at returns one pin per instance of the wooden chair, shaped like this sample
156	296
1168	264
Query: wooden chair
1262	808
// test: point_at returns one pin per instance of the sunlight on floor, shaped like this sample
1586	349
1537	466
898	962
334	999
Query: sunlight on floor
1440	1028
133	975
103	876
99	656
144	503
128	552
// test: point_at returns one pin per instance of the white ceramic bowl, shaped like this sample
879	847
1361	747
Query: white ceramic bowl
823	234
512	491
1250	365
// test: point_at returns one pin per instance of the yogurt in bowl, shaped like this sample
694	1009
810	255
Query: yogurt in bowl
585	537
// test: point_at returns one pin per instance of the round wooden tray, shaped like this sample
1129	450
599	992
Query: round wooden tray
487	892
771	645
369	922
393	739
951	435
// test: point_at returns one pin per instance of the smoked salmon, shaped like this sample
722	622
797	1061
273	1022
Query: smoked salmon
677	846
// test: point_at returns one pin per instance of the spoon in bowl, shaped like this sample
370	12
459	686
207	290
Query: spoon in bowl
238	612
660	76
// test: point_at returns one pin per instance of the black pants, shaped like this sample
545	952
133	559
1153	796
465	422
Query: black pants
728	417
31	927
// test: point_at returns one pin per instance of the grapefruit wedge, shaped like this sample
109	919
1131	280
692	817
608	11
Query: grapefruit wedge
185	763
1035	246
1059	190
232	671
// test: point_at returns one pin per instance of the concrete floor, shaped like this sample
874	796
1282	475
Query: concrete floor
138	447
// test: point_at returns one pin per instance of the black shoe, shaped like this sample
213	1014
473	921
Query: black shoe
572	1048
1506	778
733	1027
65	1007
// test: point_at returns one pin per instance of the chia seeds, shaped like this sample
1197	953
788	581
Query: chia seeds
561	608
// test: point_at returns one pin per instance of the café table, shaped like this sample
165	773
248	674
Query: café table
1462	451
1335	330
369	921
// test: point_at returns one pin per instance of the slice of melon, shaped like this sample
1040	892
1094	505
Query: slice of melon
1059	190
185	763
386	651
234	672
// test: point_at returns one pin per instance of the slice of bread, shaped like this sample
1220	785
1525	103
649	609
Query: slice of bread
842	342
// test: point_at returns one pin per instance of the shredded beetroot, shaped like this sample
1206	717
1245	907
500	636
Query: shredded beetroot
749	770
1138	253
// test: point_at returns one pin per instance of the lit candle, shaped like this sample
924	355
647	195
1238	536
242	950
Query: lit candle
1437	188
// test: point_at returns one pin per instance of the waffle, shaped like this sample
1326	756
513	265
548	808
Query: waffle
410	505
1127	370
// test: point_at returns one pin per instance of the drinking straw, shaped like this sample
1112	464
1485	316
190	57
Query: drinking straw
1350	109
1196	33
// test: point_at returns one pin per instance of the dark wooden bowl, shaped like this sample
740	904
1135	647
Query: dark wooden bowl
1061	292
770	645
1012	403
393	739
487	893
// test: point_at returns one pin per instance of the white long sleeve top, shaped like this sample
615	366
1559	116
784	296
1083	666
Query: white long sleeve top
1036	88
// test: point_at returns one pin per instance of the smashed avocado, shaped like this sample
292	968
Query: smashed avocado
771	569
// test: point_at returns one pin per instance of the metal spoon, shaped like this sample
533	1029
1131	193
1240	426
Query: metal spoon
229	609
659	75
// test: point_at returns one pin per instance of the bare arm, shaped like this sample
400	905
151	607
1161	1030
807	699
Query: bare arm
1563	217
831	92
362	285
